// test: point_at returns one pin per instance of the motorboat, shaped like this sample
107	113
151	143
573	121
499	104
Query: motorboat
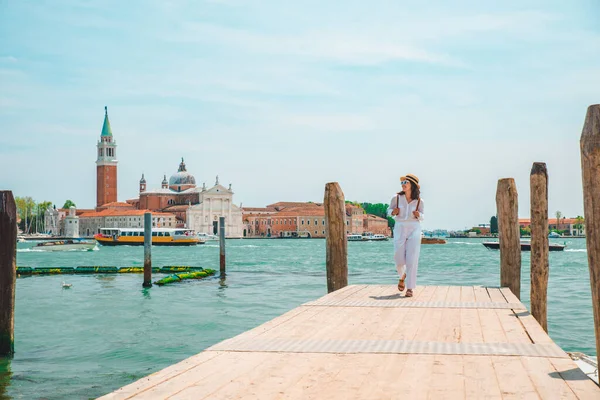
553	235
160	237
207	236
354	237
65	245
525	246
587	364
374	237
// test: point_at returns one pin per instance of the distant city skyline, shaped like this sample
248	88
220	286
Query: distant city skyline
278	99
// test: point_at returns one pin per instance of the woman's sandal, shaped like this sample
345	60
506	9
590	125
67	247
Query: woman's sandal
409	293
401	284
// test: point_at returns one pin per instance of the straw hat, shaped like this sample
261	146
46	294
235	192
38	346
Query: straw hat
412	178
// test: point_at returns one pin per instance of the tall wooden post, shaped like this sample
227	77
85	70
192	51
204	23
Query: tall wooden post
222	245
147	250
539	243
509	233
8	267
590	166
336	242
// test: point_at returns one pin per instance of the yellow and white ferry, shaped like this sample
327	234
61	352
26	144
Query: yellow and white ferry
160	237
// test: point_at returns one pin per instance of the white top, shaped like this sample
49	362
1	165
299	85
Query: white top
406	209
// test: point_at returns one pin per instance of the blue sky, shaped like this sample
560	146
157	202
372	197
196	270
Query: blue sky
279	98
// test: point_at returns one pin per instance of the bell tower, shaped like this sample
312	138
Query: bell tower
106	165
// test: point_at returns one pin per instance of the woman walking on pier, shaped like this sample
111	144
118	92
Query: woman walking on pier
407	209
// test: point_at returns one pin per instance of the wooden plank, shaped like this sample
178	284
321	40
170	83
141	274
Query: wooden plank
481	294
579	383
509	295
496	295
160	377
512	327
447	378
480	378
533	329
513	379
467	294
470	326
453	294
539	369
349	352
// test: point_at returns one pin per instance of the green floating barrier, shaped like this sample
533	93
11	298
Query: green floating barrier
187	275
24	270
135	270
179	268
52	271
84	269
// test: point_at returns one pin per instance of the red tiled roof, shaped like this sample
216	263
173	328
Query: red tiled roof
78	211
116	204
179	207
258	209
122	213
288	204
313	211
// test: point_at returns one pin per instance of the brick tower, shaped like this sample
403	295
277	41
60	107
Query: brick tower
106	165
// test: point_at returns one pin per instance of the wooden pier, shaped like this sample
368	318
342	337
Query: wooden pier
370	342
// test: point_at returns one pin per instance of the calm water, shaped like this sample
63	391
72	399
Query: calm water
106	331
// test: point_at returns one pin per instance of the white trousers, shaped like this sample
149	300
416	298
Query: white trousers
407	247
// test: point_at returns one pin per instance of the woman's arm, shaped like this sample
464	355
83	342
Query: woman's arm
421	211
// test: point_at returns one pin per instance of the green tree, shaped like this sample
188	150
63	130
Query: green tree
494	224
579	224
558	217
25	207
68	204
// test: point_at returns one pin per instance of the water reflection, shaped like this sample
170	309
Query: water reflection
146	293
222	286
5	375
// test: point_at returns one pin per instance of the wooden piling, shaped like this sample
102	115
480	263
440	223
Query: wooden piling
509	234
590	166
147	250
222	245
336	242
539	243
8	267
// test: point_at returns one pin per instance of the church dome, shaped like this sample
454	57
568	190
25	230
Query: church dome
182	180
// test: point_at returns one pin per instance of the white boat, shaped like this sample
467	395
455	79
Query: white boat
354	237
65	245
374	237
587	364
207	236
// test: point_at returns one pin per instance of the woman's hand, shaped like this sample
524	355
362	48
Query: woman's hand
396	211
416	214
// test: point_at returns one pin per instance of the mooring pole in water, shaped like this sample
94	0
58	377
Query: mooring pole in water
509	233
336	242
8	275
590	166
222	245
147	250
538	180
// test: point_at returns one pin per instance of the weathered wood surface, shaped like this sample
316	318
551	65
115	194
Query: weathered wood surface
334	348
336	242
539	243
507	204
8	267
590	166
